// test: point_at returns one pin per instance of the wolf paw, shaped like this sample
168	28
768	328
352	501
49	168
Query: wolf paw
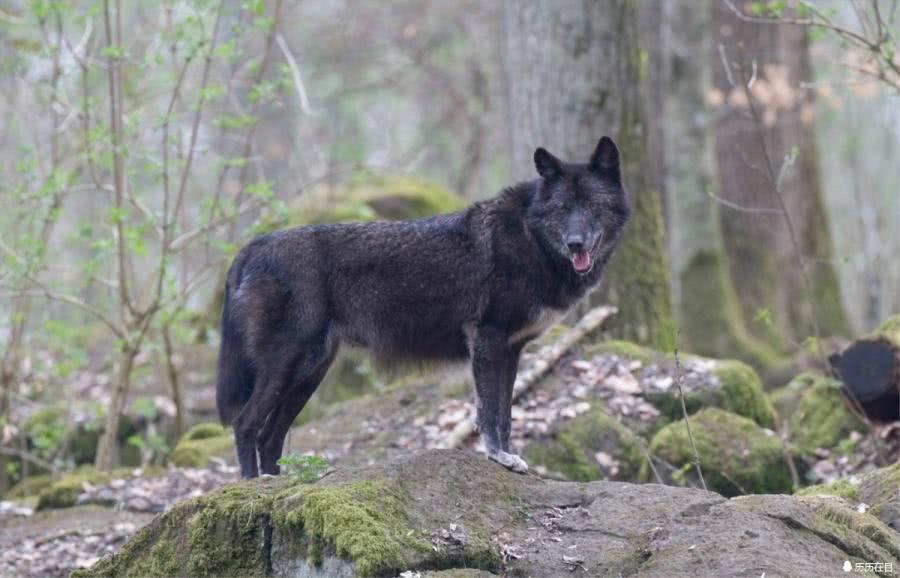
509	461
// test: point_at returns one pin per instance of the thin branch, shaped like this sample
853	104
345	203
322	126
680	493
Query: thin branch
695	459
295	73
29	457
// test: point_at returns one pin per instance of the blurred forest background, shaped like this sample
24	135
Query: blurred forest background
142	143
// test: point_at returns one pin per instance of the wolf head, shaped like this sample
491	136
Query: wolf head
579	210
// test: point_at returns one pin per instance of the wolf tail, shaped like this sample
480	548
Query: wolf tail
235	370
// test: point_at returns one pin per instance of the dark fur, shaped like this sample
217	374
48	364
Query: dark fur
467	285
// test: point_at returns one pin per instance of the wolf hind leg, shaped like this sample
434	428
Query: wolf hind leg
277	373
494	363
271	438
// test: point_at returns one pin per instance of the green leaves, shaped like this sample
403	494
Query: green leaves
307	469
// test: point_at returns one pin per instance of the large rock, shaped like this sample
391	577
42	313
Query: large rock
878	491
815	412
199	444
736	455
440	510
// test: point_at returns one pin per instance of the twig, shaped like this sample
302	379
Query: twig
28	457
295	73
687	421
646	451
788	457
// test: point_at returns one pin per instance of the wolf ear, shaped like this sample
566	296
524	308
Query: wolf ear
548	166
606	158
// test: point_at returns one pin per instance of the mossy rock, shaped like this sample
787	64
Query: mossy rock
736	388
30	486
621	348
816	413
203	431
454	513
369	197
742	392
570	451
200	443
879	490
736	455
352	522
64	492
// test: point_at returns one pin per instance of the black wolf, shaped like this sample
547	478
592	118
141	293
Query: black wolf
473	285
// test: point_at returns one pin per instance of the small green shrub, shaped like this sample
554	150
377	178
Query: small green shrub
307	469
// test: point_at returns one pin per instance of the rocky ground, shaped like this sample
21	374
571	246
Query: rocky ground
449	509
604	412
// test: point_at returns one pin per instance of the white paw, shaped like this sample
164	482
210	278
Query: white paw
509	461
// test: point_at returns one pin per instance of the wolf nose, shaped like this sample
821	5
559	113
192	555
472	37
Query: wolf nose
575	243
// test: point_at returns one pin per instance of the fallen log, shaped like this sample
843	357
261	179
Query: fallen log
540	365
870	370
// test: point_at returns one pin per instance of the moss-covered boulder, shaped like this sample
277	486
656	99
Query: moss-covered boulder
816	413
591	446
64	492
724	383
30	486
727	384
736	455
625	349
200	443
455	514
879	490
368	197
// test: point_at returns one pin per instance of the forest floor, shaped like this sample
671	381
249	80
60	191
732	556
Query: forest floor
417	413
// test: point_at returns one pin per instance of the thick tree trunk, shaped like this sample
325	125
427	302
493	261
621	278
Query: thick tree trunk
709	317
575	75
761	256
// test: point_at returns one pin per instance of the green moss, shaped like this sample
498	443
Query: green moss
196	453
742	392
736	455
820	417
364	522
879	489
30	486
570	451
621	348
739	391
221	534
890	325
368	197
846	524
64	492
372	523
203	431
840	488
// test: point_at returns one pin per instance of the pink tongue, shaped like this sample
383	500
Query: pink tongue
581	261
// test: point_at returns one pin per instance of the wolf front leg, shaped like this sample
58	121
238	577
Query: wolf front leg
494	363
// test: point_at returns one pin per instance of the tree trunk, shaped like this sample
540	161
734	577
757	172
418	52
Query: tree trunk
709	317
174	381
107	447
870	370
761	256
575	75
